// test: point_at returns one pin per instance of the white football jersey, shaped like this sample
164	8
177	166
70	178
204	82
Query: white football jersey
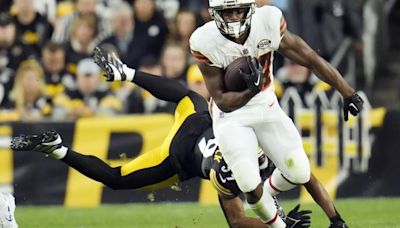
267	26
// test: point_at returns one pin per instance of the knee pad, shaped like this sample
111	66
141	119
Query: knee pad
247	175
298	168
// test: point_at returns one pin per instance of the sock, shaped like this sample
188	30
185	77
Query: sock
276	183
129	72
59	153
266	211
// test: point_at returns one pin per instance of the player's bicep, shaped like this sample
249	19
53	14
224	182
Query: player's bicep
296	49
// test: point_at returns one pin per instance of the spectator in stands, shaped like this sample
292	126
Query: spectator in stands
128	93
196	82
12	51
56	75
5	5
199	6
47	8
83	40
29	92
129	47
6	82
152	104
32	28
168	8
331	20
174	61
83	7
91	98
150	28
185	24
193	4
295	76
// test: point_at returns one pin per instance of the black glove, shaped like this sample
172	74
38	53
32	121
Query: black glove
338	224
254	80
354	104
298	219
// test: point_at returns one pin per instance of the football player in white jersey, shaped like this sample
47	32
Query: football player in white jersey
242	121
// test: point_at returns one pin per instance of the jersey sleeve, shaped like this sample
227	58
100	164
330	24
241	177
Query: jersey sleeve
201	46
275	23
200	58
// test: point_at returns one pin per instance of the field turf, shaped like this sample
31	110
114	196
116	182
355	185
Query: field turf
365	213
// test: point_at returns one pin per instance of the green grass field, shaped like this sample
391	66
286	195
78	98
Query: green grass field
379	212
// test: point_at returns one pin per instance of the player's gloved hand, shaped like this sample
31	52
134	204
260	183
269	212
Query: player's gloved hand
298	219
352	104
113	67
254	80
338	224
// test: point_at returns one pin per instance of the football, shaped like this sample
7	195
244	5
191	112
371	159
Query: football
232	79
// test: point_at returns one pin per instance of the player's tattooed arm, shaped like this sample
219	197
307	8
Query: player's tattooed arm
296	49
234	213
226	101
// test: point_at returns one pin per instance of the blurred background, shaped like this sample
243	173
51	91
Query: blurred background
48	80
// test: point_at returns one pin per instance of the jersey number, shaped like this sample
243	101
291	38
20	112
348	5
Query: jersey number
227	173
266	61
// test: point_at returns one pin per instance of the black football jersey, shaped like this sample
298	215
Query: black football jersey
221	177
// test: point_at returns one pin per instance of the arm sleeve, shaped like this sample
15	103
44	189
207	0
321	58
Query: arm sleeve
161	87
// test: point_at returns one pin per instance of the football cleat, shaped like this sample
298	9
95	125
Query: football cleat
46	142
110	64
279	208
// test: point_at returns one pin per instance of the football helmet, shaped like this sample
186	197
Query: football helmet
237	28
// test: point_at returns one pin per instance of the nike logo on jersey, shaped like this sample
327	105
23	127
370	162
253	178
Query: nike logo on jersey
270	105
224	180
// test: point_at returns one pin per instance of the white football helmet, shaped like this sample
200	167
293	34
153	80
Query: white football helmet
234	29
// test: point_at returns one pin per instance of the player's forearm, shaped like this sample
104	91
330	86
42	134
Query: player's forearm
161	87
327	73
234	213
230	101
296	49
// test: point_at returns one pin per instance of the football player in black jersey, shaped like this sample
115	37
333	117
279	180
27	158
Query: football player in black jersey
188	151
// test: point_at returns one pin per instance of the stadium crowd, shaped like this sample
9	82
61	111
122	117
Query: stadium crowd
46	47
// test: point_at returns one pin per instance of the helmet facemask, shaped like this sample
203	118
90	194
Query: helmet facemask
234	29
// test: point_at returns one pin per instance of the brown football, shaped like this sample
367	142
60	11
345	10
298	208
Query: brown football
232	79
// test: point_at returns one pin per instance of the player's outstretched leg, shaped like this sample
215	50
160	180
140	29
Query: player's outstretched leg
49	143
133	176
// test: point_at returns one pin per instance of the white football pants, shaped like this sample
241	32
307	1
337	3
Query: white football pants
239	133
7	208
